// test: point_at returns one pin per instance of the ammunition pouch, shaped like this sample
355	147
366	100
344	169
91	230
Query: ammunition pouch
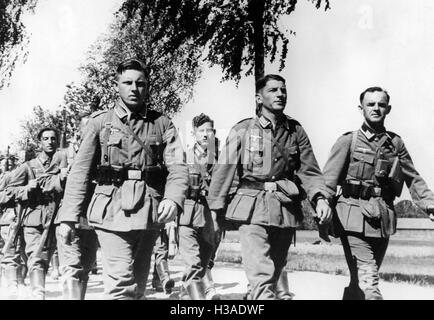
357	190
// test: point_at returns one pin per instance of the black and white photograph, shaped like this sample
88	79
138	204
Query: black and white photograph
220	150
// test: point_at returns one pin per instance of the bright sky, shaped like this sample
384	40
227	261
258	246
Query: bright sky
334	56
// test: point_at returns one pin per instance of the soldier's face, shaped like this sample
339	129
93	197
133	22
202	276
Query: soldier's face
48	142
132	88
375	107
272	96
204	134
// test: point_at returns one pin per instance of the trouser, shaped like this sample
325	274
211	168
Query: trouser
213	254
364	256
195	252
264	252
32	237
126	259
38	265
77	258
161	248
14	262
16	257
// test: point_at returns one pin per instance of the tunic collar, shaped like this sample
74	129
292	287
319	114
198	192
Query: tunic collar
123	112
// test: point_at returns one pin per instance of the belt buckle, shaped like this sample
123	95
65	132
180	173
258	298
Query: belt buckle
134	175
270	186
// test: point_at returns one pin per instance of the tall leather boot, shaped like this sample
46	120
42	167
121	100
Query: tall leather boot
71	289
210	291
164	275
37	284
83	288
156	283
22	274
282	288
183	294
11	281
55	273
353	292
196	290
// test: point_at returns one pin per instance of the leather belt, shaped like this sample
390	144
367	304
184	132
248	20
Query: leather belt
258	185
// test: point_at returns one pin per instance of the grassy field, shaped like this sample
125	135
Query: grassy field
407	260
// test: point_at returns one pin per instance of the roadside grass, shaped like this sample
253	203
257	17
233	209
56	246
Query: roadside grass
403	263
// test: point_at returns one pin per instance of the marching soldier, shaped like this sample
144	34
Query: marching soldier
38	185
78	257
274	161
196	247
14	260
370	166
141	179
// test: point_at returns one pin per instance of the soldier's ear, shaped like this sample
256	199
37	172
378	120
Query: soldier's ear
258	98
360	109
389	108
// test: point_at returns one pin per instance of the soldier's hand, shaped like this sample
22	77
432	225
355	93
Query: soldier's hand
167	211
66	232
323	211
63	174
32	185
213	228
431	216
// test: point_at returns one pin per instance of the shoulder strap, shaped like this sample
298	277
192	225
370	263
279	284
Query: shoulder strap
145	146
355	134
107	128
30	171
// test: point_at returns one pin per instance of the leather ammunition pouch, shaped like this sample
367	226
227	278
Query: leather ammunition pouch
357	190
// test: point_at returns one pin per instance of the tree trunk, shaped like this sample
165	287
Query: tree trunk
256	12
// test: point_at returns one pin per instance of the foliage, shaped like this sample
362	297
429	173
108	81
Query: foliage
407	209
13	37
236	34
171	75
39	119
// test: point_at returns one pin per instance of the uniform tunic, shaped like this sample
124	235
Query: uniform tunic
368	222
259	153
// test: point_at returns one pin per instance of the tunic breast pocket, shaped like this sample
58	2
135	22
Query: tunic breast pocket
255	152
362	165
293	157
114	145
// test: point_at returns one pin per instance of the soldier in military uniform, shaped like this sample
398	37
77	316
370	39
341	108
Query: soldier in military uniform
14	261
273	158
38	185
370	166
196	237
141	183
78	257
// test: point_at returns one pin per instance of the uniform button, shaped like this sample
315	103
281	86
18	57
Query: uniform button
275	160
273	177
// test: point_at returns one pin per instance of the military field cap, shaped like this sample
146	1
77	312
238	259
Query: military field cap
131	63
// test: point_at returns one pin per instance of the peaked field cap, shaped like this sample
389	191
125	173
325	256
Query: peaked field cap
131	63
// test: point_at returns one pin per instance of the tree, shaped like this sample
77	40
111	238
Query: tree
171	75
13	37
39	119
237	34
